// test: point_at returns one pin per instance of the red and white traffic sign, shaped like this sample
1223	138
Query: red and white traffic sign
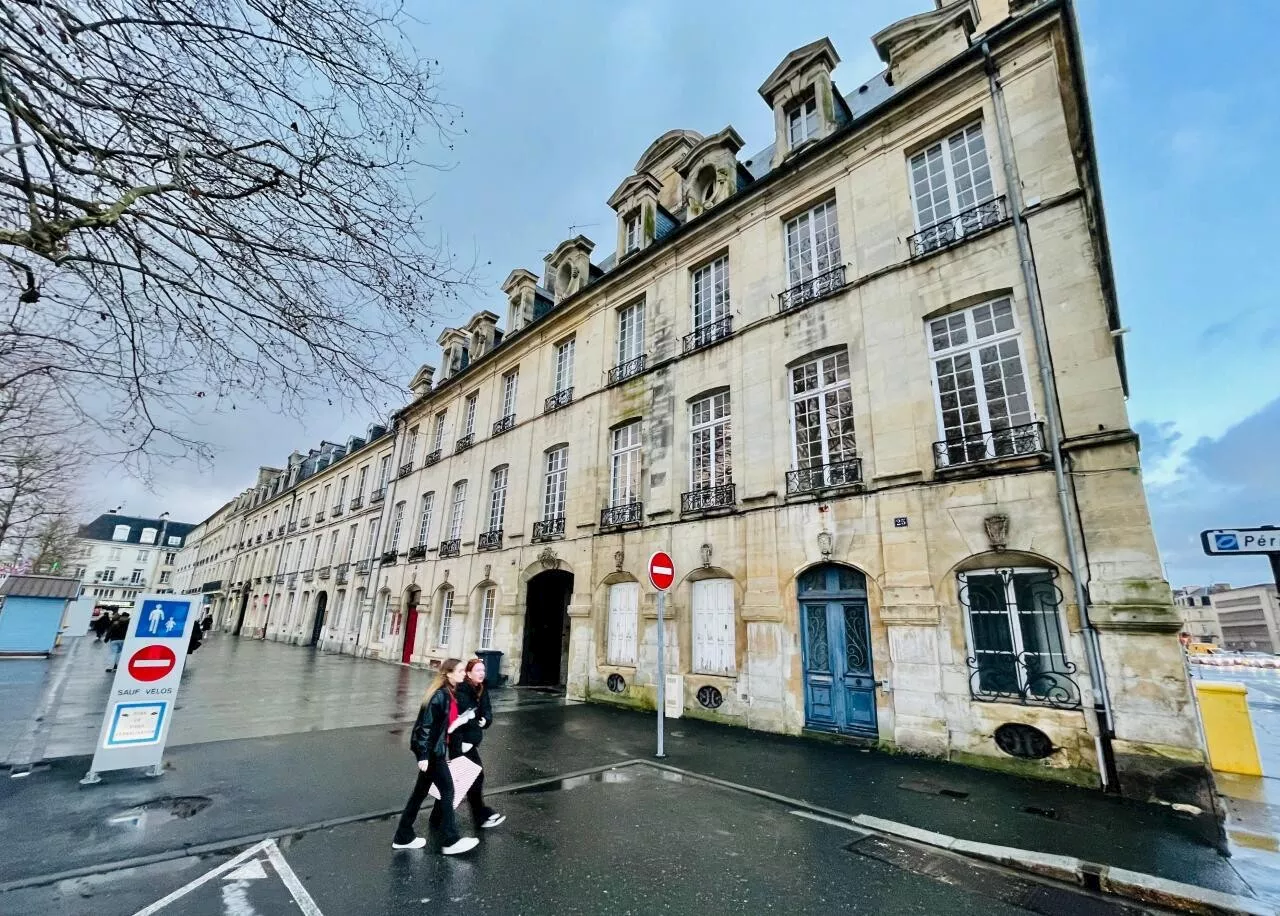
150	663
662	571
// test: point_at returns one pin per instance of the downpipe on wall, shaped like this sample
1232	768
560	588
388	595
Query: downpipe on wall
1102	725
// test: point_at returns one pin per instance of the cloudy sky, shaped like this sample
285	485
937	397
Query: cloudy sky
560	99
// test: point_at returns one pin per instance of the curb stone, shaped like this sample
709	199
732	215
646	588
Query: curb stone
1118	882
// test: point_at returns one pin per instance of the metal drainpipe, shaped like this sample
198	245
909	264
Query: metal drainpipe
1097	673
387	500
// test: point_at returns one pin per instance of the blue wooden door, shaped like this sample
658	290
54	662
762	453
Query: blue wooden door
839	674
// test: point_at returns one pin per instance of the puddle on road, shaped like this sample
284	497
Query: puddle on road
575	782
1254	840
160	811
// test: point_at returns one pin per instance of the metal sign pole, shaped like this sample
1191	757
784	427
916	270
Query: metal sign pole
662	668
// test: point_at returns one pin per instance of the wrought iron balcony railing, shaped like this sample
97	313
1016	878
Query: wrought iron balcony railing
320	516
432	458
388	558
955	229
280	531
417	552
624	371
824	476
377	496
708	334
548	528
293	579
562	398
450	548
258	539
337	510
308	575
705	498
304	522
490	540
812	290
464	443
293	526
405	470
323	572
357	503
1010	442
342	573
363	567
631	513
279	579
506	423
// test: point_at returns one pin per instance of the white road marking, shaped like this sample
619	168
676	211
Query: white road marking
249	871
235	899
204	879
291	881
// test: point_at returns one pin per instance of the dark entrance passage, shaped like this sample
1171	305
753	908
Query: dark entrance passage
839	678
545	659
244	609
410	624
322	604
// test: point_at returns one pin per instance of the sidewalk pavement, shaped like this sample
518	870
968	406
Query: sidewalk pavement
224	790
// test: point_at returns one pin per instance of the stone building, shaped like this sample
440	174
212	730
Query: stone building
1249	618
119	557
866	386
1199	619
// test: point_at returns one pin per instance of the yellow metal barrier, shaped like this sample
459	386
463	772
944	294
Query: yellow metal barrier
1228	730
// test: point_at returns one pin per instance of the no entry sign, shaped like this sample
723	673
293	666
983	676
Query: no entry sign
662	571
150	663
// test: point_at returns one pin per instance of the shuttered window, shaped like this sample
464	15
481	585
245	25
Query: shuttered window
624	613
714	644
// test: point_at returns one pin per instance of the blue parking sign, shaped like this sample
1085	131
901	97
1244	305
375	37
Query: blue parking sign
162	619
1226	541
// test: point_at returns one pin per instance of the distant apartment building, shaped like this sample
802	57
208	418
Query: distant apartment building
1199	619
119	557
1249	618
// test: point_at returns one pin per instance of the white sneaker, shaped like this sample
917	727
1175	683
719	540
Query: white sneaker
466	844
416	843
493	820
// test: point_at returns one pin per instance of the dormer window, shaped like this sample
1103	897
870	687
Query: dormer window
802	119
632	233
705	185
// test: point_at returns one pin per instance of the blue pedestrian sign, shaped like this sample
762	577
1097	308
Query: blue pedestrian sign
162	619
1241	541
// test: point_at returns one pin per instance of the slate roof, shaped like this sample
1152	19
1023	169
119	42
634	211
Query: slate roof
102	527
40	587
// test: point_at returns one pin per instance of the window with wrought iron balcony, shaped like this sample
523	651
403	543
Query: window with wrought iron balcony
320	516
450	548
357	503
707	334
628	369
323	572
812	289
337	510
813	478
377	495
389	557
417	552
709	498
549	529
622	514
506	423
405	470
308	575
364	567
490	540
959	449
562	398
432	458
464	443
342	573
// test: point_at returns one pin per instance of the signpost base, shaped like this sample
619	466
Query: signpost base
90	778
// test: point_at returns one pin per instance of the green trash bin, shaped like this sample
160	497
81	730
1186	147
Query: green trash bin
492	659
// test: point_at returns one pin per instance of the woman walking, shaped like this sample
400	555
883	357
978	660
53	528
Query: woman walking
430	745
473	695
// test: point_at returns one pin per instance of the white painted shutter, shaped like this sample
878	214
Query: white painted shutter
624	609
714	644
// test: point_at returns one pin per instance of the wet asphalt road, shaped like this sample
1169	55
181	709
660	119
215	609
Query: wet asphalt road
630	840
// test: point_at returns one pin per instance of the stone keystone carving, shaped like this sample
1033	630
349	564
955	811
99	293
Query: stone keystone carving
824	544
997	531
549	559
706	555
488	568
617	560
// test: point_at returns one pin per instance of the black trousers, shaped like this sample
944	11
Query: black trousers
475	795
437	774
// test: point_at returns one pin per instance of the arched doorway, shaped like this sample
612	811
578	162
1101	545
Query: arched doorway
410	623
839	677
322	603
544	661
244	609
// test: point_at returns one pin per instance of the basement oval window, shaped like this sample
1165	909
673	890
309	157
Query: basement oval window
1025	741
709	697
616	683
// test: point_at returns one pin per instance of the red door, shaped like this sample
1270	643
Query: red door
410	633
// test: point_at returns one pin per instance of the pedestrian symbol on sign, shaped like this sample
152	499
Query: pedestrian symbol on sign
162	619
1226	541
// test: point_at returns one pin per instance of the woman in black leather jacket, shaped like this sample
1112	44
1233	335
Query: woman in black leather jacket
429	742
473	695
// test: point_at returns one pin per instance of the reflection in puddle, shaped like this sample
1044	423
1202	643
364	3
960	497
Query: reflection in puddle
1254	840
160	811
575	782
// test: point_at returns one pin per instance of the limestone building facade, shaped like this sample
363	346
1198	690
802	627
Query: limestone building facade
866	386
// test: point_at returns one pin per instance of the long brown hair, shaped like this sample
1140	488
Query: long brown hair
479	688
441	680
